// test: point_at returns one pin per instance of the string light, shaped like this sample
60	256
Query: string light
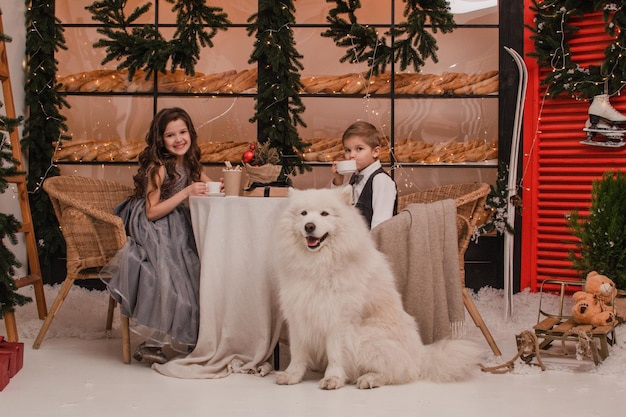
570	77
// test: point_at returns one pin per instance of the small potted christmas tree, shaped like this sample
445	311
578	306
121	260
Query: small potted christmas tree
601	243
9	226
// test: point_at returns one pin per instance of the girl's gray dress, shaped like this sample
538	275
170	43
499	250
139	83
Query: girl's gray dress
155	276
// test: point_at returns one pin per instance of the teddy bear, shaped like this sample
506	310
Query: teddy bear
591	304
601	286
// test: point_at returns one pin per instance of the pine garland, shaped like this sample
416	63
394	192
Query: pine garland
601	236
9	225
278	104
45	124
412	43
144	47
553	31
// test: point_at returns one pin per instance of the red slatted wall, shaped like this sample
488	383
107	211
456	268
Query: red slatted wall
557	169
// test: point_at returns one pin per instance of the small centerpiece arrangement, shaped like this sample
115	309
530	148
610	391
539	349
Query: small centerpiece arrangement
263	167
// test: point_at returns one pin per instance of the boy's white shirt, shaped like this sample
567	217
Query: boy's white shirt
383	200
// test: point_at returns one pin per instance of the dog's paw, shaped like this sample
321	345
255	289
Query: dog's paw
331	382
286	378
368	381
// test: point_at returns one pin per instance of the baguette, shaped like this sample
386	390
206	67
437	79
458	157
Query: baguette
75	81
108	151
216	84
122	82
479	86
244	80
486	87
322	144
354	84
380	85
91	154
312	84
198	85
330	85
438	84
101	84
140	84
91	85
459	81
420	155
79	151
66	150
130	151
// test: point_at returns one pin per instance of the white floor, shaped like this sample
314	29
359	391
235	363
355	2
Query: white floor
79	372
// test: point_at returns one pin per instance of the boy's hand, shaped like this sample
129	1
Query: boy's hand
337	177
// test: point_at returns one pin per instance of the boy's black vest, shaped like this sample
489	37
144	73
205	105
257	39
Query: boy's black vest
364	204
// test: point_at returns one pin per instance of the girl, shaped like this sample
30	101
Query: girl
155	277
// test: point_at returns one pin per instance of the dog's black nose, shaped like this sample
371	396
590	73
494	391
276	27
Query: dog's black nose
309	227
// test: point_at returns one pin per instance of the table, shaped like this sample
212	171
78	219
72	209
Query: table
240	321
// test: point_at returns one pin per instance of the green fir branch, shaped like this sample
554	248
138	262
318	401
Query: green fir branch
552	32
45	124
412	42
144	47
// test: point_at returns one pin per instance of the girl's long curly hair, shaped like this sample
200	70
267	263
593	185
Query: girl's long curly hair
155	154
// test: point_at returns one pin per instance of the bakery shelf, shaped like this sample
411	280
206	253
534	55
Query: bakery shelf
326	113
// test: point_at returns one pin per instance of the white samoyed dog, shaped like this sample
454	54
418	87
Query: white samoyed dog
344	313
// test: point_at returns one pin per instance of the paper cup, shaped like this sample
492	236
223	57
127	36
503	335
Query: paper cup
346	167
232	182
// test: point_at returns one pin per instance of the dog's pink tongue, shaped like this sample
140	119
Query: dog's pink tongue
312	241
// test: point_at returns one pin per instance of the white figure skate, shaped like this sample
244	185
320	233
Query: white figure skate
606	121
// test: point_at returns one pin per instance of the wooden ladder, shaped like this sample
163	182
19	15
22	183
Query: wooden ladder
34	277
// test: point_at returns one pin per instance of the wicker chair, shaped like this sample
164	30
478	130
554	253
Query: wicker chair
470	202
93	234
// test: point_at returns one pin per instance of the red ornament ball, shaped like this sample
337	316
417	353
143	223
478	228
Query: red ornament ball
248	156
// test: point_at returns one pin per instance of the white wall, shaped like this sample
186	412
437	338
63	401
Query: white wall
13	24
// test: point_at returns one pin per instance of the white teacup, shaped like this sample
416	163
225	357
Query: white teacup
213	187
346	167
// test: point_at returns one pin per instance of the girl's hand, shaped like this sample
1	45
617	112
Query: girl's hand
197	188
337	177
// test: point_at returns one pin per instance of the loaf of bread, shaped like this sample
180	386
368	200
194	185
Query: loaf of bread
140	84
244	80
479	85
74	82
353	84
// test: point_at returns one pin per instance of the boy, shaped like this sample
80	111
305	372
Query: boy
374	191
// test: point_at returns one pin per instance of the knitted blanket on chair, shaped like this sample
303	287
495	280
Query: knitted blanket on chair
421	244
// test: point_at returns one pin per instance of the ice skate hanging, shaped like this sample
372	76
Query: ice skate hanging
605	121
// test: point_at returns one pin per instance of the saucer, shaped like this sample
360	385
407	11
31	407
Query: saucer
216	194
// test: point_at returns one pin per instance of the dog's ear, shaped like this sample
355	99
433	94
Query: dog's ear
346	194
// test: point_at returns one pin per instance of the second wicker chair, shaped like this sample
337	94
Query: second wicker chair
93	234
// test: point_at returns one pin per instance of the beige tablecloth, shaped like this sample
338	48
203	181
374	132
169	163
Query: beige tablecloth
240	320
